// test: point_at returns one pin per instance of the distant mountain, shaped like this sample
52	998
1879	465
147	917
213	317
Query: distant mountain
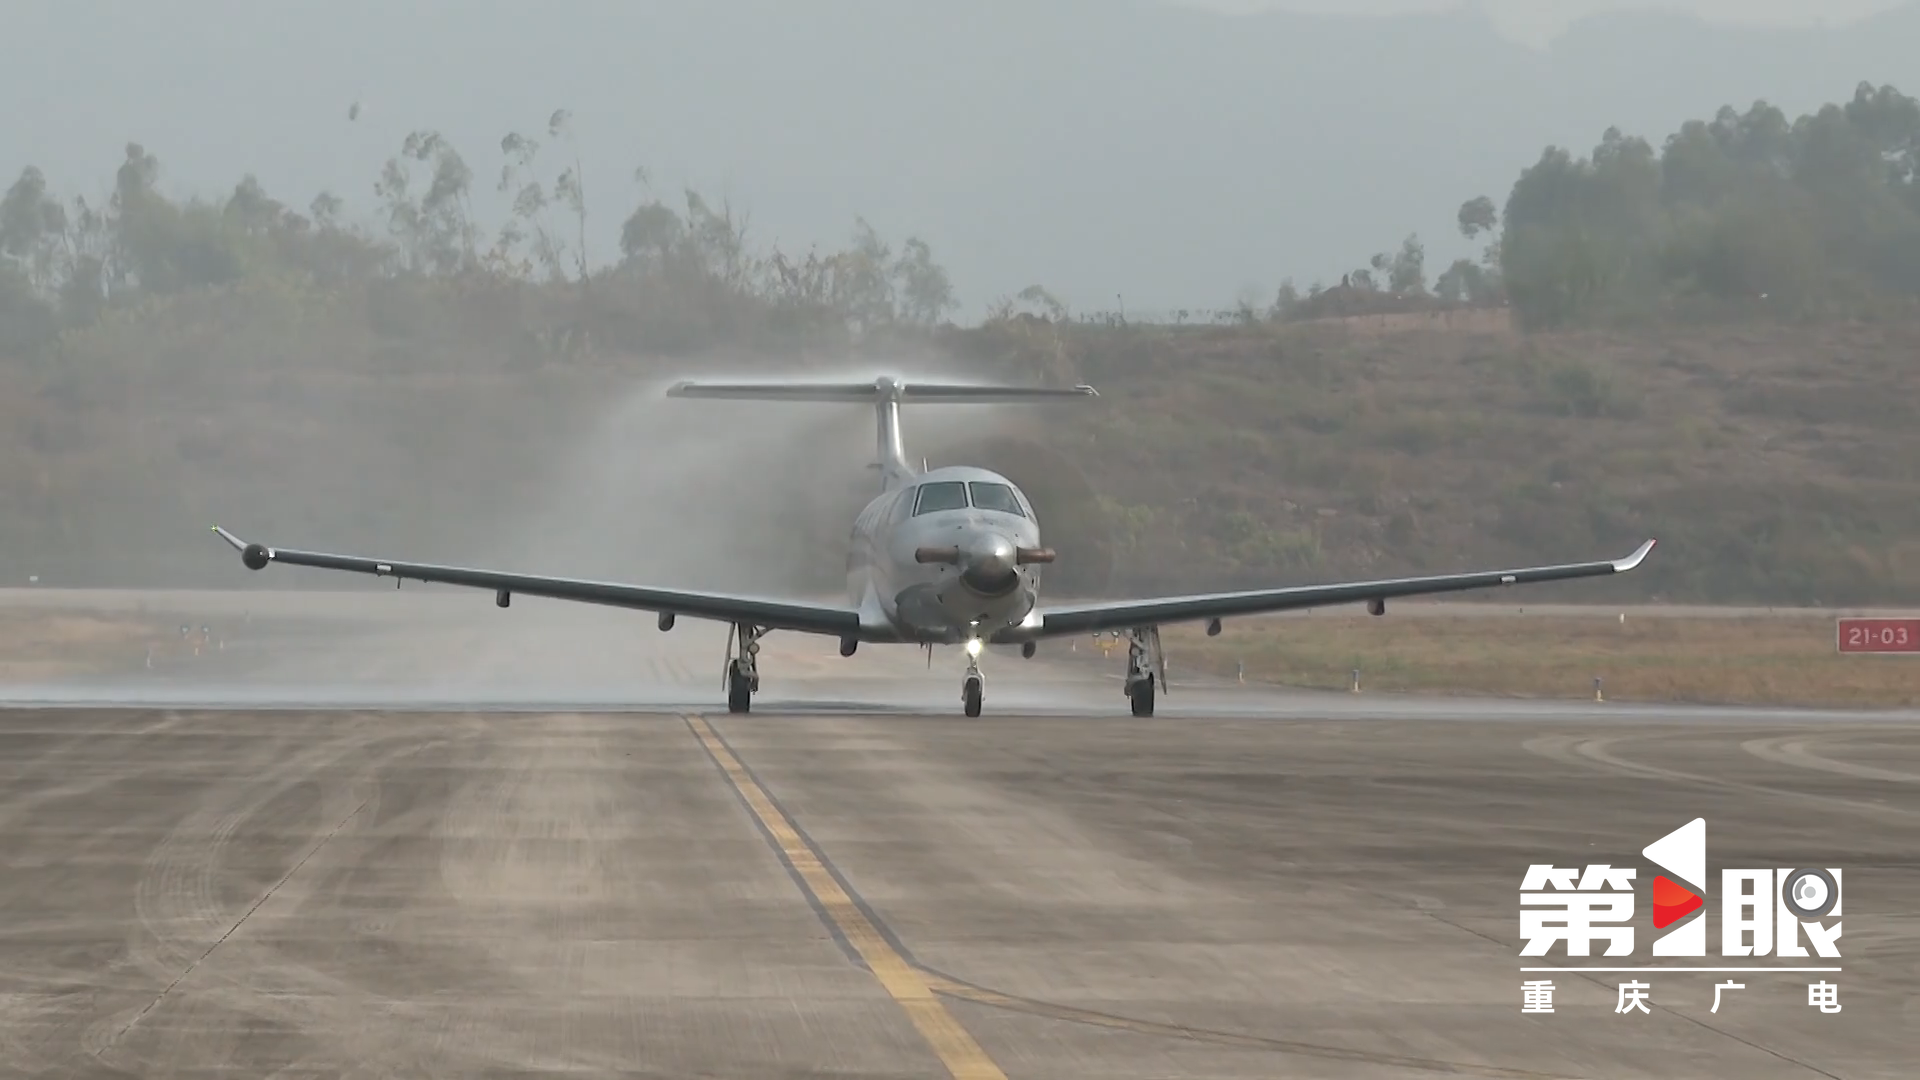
1168	156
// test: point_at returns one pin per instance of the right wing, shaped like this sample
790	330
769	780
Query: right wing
763	612
1128	614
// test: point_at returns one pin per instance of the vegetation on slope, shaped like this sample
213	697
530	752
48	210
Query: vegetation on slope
1712	345
1748	215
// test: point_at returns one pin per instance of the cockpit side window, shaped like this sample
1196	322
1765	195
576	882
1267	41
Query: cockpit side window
941	495
996	497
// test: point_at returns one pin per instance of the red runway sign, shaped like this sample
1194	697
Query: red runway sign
1879	635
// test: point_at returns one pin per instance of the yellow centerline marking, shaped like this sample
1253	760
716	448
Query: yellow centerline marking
963	1057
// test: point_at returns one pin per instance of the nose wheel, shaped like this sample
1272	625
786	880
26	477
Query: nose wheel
973	686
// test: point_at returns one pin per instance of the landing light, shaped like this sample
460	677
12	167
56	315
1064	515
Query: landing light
973	646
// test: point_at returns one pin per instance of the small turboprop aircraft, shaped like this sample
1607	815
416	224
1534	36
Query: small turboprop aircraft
940	557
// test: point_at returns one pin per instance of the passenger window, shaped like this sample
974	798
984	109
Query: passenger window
996	497
944	495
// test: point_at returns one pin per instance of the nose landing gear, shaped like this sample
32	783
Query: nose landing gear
972	684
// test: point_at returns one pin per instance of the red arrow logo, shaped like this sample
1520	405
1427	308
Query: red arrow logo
1672	901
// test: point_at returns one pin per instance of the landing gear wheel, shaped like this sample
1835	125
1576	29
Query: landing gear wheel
743	668
1142	696
1146	667
739	689
970	693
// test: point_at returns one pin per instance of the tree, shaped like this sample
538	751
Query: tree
1029	301
1286	300
1582	234
528	223
1744	207
1477	215
435	229
252	210
33	232
865	285
1407	273
925	291
716	241
1890	122
1468	281
651	233
325	210
570	188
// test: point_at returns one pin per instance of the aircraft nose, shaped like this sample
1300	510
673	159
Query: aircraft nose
989	563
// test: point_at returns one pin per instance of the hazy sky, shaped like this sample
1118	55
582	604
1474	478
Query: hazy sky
1537	22
1111	150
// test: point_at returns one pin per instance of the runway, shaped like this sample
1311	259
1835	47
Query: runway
857	881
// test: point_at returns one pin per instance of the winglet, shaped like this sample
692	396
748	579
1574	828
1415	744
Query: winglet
1621	566
254	555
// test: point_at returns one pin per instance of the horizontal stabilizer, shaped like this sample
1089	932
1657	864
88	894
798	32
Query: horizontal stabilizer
886	394
876	392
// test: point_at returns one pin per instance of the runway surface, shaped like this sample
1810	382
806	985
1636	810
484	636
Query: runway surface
857	881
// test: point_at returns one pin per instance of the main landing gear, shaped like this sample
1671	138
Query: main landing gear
1146	668
743	670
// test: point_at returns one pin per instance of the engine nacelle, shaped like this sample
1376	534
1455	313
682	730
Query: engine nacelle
848	645
666	621
1377	606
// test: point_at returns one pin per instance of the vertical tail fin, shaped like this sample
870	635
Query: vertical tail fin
886	395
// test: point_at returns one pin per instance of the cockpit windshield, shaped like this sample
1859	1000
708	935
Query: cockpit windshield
940	495
996	497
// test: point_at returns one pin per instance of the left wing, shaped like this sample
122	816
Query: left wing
768	614
1127	614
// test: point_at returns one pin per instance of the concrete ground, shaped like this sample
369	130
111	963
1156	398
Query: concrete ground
857	881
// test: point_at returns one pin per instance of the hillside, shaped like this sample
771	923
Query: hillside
1776	464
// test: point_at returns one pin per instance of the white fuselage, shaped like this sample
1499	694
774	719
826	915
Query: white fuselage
978	519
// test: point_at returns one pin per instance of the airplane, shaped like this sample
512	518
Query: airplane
942	556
